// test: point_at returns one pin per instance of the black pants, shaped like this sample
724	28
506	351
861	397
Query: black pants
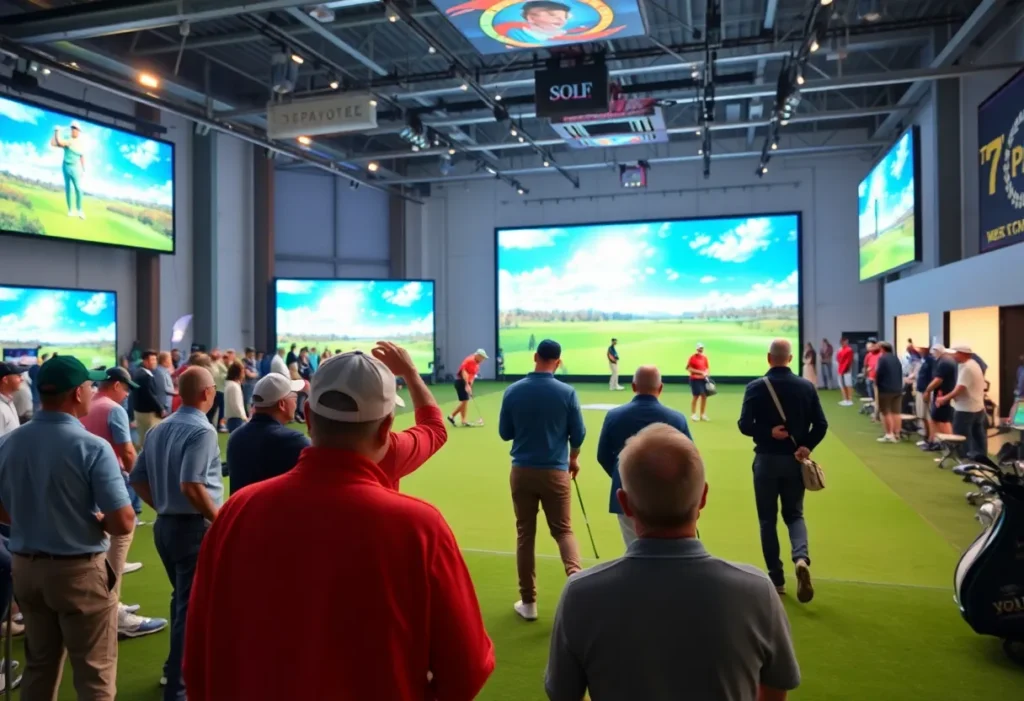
777	478
973	426
217	410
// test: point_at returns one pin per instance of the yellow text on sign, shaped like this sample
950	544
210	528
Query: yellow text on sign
990	154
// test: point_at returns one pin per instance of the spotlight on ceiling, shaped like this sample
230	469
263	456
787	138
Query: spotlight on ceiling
298	59
149	80
869	10
284	73
463	87
392	17
451	152
321	13
431	50
373	103
304	140
373	166
335	84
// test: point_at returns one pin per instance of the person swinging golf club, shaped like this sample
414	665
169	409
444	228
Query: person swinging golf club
468	371
541	417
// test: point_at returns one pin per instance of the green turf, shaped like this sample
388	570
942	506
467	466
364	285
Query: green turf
890	249
734	348
91	356
49	209
885	537
421	350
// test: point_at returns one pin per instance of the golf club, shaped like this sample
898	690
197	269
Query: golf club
585	519
480	417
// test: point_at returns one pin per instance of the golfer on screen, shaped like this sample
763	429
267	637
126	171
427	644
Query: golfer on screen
464	384
73	168
698	368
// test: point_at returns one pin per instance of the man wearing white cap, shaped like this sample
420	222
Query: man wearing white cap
698	368
395	614
73	166
968	401
464	378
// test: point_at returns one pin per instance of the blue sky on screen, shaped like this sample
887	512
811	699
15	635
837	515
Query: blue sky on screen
890	185
119	165
378	309
651	268
48	316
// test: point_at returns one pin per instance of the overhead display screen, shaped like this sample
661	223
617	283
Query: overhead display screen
1001	166
500	26
658	287
889	225
354	314
65	177
82	323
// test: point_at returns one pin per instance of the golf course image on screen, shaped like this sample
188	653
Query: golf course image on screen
354	314
82	323
68	178
658	287
888	211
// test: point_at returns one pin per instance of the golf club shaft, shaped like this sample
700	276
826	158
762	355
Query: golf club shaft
586	520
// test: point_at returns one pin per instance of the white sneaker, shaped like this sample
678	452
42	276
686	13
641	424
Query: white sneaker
127	608
620	388
526	611
131	626
704	417
695	417
888	439
15	683
130	567
72	213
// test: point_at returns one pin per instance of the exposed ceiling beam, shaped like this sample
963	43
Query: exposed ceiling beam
334	40
979	20
770	8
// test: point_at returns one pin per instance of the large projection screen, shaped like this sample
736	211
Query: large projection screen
354	314
659	287
82	323
65	177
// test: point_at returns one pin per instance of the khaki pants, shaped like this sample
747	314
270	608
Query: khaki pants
551	489
613	382
117	555
145	423
70	609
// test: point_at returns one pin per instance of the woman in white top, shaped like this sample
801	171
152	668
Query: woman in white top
234	406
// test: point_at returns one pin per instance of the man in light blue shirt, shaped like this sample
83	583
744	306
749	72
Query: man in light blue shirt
624	422
178	473
62	492
541	416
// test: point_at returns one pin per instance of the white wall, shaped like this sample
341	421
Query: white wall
451	237
323	228
234	244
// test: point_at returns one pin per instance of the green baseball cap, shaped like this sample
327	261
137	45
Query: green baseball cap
65	372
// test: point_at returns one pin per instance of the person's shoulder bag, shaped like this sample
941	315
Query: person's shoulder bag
710	388
813	475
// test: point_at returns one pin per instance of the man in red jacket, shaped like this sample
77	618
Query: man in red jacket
394	616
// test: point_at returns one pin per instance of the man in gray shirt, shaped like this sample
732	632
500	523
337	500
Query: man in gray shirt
668	620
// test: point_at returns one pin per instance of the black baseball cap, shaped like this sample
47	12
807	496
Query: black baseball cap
62	373
11	369
549	350
119	374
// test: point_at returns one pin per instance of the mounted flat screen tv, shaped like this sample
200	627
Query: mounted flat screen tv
66	177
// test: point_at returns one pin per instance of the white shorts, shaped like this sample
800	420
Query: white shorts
846	380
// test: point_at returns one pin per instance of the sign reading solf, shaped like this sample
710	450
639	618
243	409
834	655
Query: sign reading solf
572	90
335	114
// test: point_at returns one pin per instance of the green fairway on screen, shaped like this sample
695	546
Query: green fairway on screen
70	178
659	288
350	315
887	207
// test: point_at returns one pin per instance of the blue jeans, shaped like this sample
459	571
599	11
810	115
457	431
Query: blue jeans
827	376
779	478
235	424
247	390
178	539
136	501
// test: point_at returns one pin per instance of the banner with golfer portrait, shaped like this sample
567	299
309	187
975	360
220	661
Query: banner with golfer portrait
66	177
1001	166
499	26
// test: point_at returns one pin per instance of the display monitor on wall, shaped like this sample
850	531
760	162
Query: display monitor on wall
1001	166
65	177
658	287
889	210
82	323
354	314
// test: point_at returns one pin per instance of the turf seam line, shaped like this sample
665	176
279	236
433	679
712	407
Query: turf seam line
548	556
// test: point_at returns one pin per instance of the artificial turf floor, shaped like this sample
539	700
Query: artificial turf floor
885	537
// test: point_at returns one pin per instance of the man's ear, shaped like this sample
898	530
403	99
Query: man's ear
623	498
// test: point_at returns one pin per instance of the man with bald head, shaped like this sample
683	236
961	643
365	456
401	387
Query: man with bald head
668	620
782	438
178	473
626	421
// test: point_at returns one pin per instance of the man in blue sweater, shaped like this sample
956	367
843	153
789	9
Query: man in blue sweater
626	421
541	416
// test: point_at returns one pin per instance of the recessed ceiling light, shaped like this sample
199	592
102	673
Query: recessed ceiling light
373	103
305	140
451	152
335	85
372	166
431	50
149	80
463	87
298	59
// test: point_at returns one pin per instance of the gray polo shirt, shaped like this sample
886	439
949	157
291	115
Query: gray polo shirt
666	622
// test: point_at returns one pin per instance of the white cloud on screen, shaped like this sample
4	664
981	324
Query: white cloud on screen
671	275
708	279
528	238
699	241
791	236
342	312
143	154
10	294
294	287
664	230
20	113
649	271
740	244
40	321
94	305
900	157
406	295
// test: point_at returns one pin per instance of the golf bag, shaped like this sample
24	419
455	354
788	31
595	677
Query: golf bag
860	386
989	579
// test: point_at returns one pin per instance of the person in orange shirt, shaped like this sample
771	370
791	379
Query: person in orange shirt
464	378
698	367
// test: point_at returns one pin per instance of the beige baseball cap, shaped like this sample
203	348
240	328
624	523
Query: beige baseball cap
361	376
273	388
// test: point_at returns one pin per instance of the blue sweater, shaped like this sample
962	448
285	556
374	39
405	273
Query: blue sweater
624	422
541	416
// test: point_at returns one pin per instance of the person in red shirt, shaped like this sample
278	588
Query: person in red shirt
870	366
698	368
464	378
844	366
394	616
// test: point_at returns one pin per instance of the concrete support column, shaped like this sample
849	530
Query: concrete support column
263	249
147	277
204	238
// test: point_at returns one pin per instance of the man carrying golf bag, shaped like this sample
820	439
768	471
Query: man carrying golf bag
542	418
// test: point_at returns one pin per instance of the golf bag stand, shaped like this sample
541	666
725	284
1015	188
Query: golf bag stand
989	579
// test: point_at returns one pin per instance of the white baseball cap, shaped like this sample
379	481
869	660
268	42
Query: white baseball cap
700	346
273	388
482	353
361	376
938	349
962	348
76	125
